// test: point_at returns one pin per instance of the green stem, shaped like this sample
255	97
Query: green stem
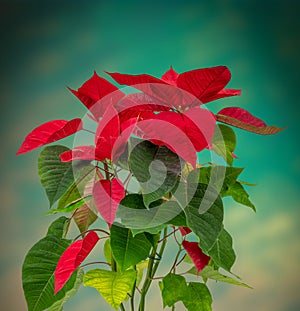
132	294
122	307
162	248
151	270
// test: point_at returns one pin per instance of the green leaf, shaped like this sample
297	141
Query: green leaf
206	225
58	306
128	250
59	227
239	194
56	176
224	179
134	214
76	191
112	286
197	297
71	207
107	251
38	273
156	168
224	142
210	273
140	267
222	252
173	289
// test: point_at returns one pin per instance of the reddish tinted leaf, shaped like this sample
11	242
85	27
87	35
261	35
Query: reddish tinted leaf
95	89
200	260
84	217
243	119
107	196
184	230
48	133
204	83
71	259
222	94
170	76
86	153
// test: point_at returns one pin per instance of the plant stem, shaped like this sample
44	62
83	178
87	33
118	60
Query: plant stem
132	295
106	170
162	248
122	307
152	267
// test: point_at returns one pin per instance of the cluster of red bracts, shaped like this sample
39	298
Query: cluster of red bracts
166	111
175	98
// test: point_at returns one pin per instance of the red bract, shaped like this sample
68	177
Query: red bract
243	119
93	91
183	133
184	230
71	259
205	84
48	133
107	195
86	153
200	260
110	139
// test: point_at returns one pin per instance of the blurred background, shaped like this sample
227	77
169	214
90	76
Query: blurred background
48	45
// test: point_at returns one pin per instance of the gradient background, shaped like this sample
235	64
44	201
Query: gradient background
47	45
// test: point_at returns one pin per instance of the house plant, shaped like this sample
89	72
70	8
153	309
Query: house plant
133	181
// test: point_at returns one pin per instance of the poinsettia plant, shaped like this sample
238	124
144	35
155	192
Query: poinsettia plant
132	182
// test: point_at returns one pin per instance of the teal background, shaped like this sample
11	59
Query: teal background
48	45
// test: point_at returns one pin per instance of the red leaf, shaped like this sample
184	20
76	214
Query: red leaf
168	128
125	79
204	83
86	153
243	119
222	94
71	259
170	76
48	133
153	87
184	230
138	104
199	126
107	196
107	133
200	260
119	146
95	89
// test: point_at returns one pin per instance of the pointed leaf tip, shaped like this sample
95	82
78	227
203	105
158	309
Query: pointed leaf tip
71	259
194	251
